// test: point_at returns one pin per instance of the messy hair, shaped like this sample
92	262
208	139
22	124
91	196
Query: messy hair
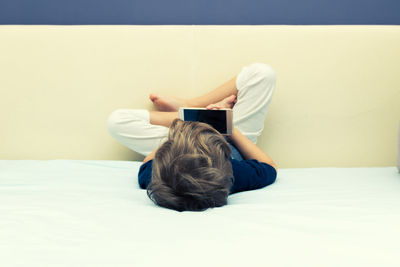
192	169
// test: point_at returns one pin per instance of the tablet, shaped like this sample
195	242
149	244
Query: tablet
219	119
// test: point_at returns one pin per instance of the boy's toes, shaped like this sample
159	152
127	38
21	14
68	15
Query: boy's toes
153	97
164	103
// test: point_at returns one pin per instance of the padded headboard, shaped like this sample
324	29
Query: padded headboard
398	150
336	102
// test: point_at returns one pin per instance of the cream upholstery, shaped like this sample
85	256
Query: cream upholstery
336	102
398	150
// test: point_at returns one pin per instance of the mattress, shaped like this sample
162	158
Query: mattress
93	213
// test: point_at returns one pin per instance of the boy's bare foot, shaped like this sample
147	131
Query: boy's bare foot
228	102
165	103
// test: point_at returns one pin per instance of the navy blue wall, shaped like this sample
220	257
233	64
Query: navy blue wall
200	12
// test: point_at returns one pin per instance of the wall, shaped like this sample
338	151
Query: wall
200	12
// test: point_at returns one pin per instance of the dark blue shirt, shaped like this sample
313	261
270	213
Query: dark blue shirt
249	174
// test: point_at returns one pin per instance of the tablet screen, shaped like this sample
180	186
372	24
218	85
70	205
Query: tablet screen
215	118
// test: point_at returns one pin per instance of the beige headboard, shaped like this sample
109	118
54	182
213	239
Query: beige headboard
398	150
337	100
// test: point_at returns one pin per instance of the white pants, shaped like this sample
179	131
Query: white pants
255	84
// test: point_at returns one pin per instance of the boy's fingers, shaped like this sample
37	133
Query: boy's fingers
213	106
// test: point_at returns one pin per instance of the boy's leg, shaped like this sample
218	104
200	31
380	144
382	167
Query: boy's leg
216	95
165	103
255	85
132	128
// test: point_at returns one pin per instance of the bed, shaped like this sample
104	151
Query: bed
92	213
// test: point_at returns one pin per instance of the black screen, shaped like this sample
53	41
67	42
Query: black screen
215	118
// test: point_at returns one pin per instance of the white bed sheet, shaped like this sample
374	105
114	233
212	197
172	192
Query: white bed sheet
92	213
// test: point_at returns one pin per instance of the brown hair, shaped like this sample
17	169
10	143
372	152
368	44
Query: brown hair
191	170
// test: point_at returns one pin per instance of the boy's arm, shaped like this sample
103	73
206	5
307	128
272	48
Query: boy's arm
150	156
163	119
248	149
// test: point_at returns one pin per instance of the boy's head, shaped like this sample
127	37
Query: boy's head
192	169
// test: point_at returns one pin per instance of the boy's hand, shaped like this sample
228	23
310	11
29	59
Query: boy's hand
248	149
228	102
150	156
